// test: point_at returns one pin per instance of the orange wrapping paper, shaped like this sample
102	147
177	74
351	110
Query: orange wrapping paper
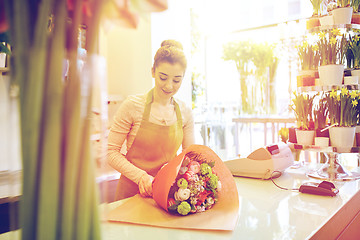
146	211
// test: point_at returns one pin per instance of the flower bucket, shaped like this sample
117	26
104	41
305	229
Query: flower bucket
305	137
331	74
342	15
342	136
326	20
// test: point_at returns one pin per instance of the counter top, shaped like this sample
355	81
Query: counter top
266	212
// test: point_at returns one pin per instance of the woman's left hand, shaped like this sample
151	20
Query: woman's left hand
145	185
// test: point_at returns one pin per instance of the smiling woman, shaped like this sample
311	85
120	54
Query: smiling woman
154	125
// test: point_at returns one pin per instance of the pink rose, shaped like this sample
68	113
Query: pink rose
189	175
194	166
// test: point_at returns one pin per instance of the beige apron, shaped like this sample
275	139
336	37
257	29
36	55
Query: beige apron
153	146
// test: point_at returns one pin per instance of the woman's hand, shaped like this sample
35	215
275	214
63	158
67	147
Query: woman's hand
145	185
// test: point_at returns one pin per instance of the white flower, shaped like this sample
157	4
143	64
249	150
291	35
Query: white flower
210	201
182	194
200	209
183	170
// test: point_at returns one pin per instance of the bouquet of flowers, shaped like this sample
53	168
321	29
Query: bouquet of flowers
196	186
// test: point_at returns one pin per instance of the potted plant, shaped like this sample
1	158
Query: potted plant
309	60
355	16
343	13
302	105
354	46
4	48
320	113
332	47
314	20
343	116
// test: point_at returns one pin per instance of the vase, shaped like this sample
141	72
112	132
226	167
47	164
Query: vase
331	74
342	136
342	15
305	137
326	20
351	80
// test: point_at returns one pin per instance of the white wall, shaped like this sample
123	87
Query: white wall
128	56
174	23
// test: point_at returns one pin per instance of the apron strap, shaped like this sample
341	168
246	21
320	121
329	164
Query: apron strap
149	100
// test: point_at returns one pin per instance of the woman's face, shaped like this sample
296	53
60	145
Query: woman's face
168	79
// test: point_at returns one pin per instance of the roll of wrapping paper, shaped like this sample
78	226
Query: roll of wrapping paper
146	211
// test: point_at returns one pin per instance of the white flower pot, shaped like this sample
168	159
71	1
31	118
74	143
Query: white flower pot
351	80
326	20
342	136
322	141
305	137
355	72
342	15
2	60
331	74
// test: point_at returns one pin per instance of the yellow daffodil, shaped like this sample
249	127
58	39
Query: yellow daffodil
315	48
333	93
336	31
322	35
356	38
305	44
333	41
353	94
338	97
354	103
344	91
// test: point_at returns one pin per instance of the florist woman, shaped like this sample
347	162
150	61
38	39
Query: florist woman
154	125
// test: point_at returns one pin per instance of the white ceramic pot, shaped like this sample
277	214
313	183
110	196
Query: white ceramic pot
355	72
342	136
331	74
326	20
342	15
2	60
351	80
305	137
322	141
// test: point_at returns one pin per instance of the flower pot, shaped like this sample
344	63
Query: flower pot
305	137
292	135
342	15
312	22
322	141
355	72
355	19
342	136
331	74
351	80
2	60
326	20
309	72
